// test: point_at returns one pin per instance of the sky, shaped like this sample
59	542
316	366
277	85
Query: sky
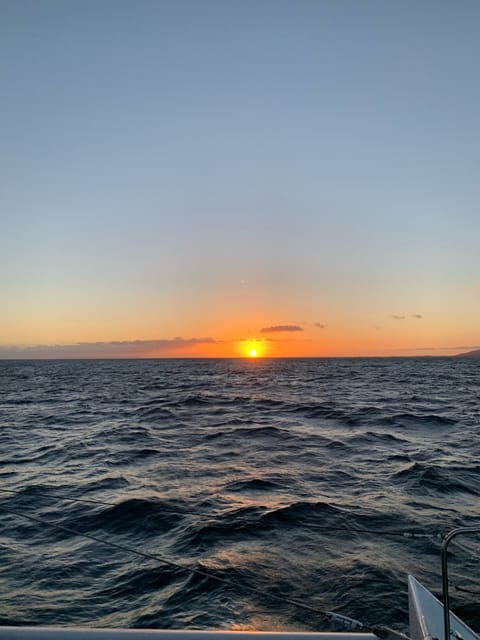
210	178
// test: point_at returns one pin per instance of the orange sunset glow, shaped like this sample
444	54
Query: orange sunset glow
252	348
224	219
373	336
239	316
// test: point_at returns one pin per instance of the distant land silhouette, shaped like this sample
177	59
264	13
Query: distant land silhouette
469	354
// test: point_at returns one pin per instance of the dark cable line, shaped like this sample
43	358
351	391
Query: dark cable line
385	532
382	632
53	495
162	560
459	587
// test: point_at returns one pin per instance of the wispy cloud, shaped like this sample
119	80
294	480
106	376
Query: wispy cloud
281	328
462	348
113	349
320	325
417	316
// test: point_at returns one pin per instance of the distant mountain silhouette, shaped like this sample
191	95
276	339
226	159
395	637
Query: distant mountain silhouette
469	354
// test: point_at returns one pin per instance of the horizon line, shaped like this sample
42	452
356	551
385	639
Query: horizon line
337	357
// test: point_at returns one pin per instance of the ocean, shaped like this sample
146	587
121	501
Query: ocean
290	479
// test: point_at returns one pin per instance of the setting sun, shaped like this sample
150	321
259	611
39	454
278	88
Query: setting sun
252	348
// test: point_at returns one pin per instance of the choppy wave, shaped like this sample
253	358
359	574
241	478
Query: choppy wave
294	477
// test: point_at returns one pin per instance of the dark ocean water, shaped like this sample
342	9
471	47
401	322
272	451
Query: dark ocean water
283	475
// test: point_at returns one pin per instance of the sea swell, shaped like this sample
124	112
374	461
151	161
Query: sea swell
294	478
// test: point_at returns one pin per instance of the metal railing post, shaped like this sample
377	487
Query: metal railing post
447	538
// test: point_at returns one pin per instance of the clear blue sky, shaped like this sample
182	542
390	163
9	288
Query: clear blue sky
203	168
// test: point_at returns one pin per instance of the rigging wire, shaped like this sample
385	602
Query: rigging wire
382	532
59	497
380	631
474	555
459	587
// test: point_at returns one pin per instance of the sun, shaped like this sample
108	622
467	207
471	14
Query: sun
252	348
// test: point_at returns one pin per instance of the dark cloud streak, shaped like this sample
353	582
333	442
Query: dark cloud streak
281	328
113	349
